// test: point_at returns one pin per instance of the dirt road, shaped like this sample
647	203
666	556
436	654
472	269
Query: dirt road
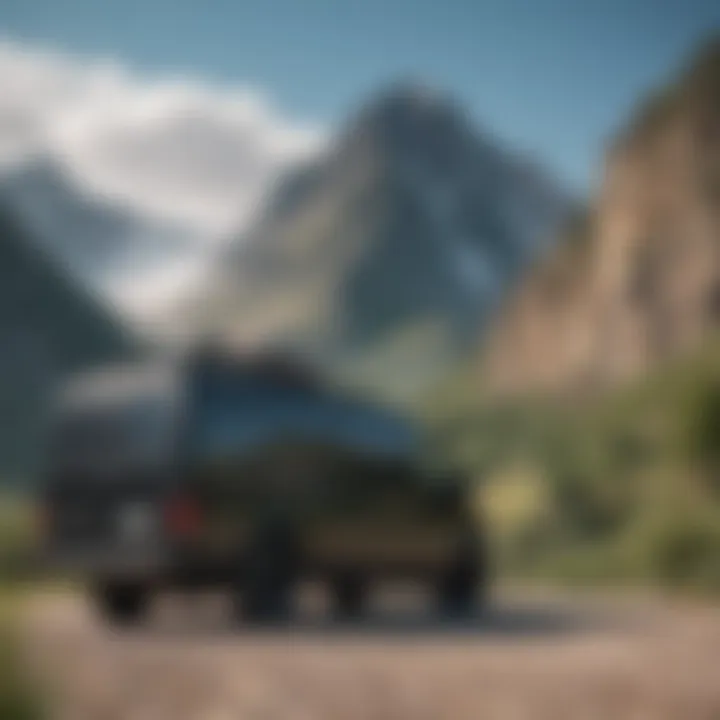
531	656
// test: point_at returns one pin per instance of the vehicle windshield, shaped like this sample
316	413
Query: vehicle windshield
233	419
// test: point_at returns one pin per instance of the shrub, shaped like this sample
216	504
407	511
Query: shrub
16	546
699	429
19	699
515	505
680	549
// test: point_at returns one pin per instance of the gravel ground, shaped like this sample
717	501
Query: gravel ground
541	656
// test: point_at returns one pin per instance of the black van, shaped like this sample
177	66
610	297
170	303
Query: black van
246	473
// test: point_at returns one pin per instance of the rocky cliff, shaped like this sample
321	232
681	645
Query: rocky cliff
637	280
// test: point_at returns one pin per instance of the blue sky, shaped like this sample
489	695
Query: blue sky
553	77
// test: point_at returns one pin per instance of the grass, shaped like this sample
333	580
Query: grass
16	538
19	695
620	488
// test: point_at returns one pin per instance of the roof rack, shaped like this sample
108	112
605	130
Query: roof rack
273	363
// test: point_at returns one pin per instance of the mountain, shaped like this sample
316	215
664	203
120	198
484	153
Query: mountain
636	282
101	241
412	223
49	327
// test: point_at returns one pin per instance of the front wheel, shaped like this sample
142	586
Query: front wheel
121	603
350	595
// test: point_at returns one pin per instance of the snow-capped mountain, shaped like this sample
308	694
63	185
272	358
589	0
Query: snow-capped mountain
105	244
49	327
411	219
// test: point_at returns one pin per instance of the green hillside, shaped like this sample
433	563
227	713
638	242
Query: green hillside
625	486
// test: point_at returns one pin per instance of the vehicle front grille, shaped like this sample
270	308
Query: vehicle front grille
85	511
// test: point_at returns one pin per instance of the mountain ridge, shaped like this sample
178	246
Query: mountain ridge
50	328
98	240
410	217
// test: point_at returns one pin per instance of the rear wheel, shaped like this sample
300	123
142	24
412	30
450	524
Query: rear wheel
458	592
462	587
269	579
121	603
350	595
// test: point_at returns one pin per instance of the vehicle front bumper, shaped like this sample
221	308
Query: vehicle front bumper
112	562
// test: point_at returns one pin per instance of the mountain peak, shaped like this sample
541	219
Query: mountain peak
405	234
694	91
410	93
410	124
407	107
706	60
701	80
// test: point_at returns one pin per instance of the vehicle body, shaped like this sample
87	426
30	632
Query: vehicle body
242	473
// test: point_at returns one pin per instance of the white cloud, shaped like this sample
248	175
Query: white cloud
175	148
153	295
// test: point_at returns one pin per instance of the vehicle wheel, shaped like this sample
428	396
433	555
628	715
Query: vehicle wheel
457	593
269	579
462	588
350	596
121	603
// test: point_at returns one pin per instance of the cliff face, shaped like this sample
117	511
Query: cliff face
638	280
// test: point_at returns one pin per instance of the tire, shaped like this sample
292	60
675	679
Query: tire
462	587
457	593
350	593
121	604
269	579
